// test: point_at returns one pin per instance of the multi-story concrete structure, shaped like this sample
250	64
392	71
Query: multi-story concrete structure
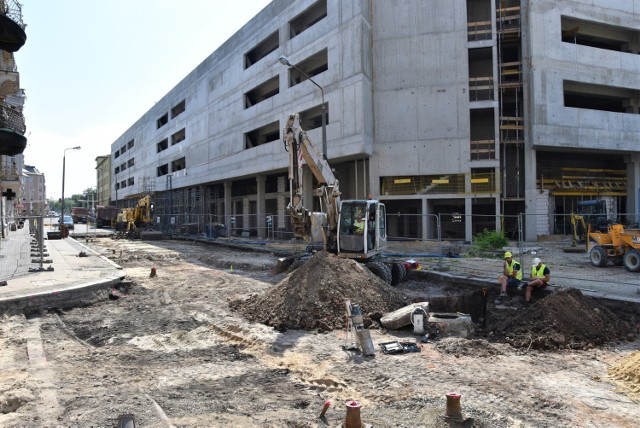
103	180
34	201
12	124
477	110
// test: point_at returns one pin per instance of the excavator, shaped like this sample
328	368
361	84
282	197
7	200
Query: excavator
131	220
354	229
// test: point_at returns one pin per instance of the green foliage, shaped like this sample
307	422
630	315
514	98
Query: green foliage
489	240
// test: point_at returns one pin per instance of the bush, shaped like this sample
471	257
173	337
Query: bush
489	240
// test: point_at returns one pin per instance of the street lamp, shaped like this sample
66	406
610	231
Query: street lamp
64	156
284	61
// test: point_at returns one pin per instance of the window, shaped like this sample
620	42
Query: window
598	35
308	18
130	144
117	154
262	92
162	121
599	97
162	145
131	162
117	170
312	118
178	136
263	135
123	149
177	109
178	164
163	170
123	166
311	66
130	181
261	50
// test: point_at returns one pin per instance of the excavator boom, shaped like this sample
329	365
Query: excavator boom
302	151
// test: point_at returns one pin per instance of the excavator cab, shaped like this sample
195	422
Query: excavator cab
361	228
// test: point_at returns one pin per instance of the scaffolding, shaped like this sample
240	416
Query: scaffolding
510	99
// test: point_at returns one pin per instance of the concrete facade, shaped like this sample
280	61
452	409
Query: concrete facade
103	180
404	122
33	201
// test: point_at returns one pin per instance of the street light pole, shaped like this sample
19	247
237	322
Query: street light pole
284	61
64	158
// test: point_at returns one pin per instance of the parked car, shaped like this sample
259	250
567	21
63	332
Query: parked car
68	222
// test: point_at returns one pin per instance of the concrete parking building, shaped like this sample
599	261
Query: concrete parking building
477	110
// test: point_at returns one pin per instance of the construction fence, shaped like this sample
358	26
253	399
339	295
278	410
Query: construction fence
437	240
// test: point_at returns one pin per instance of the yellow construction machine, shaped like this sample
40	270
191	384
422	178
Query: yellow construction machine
617	244
131	220
578	229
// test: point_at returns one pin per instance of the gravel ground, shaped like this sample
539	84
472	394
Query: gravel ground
172	352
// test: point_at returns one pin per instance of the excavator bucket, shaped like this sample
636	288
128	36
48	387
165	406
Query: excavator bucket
283	264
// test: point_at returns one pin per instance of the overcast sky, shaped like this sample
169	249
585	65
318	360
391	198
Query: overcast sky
91	68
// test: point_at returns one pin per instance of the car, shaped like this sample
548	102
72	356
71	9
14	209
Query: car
68	221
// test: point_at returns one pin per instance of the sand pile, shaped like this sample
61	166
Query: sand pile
626	375
313	296
566	319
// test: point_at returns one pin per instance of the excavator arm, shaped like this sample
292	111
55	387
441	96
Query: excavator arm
303	152
578	234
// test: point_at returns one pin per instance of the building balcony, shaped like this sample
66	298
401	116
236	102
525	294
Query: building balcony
12	35
12	129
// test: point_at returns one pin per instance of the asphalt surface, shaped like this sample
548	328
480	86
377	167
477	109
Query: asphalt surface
62	270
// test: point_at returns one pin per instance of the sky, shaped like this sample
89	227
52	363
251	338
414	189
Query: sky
91	68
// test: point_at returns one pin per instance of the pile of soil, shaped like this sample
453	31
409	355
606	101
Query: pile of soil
626	375
566	319
313	296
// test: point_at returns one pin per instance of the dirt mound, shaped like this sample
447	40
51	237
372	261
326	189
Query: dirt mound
566	319
626	375
313	296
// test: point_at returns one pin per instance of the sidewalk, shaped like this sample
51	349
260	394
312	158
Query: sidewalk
68	280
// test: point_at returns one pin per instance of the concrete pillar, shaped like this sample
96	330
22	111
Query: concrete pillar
282	203
633	188
498	222
427	219
246	214
261	206
228	209
468	220
468	209
631	105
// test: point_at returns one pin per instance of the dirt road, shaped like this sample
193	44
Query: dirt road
173	353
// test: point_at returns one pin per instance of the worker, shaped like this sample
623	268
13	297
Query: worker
359	225
539	279
511	274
